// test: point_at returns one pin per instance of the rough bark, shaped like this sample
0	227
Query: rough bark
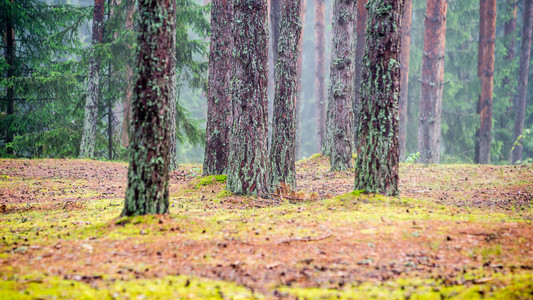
12	71
340	122
275	16
521	93
147	191
248	158
173	151
283	149
219	118
377	163
320	74
404	75
486	76
299	88
429	122
88	138
360	26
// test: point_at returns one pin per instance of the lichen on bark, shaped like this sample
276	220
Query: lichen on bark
377	162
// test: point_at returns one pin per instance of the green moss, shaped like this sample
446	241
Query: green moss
211	179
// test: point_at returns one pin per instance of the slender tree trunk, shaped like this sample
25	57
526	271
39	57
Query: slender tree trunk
360	27
173	152
283	150
320	75
275	16
126	102
377	163
487	34
340	123
300	93
88	138
404	75
147	191
219	118
510	45
429	121
521	93
12	71
248	158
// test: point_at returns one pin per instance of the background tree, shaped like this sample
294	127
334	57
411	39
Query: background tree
429	122
521	93
283	149
404	76
88	138
320	71
360	27
147	191
487	36
247	172
377	162
339	119
219	118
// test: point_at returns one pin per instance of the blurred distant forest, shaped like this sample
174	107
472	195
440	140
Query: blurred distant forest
53	38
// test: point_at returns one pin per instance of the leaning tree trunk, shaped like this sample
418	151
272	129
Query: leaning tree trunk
219	118
147	191
521	93
283	149
429	121
377	162
404	75
487	39
339	130
88	138
360	27
248	158
320	75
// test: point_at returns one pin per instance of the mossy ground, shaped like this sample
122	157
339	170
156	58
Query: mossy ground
460	231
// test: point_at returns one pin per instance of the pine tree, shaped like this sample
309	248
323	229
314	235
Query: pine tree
377	162
521	93
429	125
219	118
360	28
88	138
487	35
320	73
248	158
283	149
404	76
147	191
339	119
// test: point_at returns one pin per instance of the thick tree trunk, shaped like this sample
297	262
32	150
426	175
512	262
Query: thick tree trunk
360	27
377	163
521	93
12	71
283	149
219	118
147	191
429	121
88	138
340	122
320	75
404	75
248	158
487	34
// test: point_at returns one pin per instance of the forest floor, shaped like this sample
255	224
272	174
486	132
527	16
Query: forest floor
457	231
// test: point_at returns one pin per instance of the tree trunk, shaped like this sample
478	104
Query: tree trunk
487	34
248	158
339	130
147	191
219	118
126	102
320	75
507	82
404	75
377	163
521	93
275	16
12	71
172	150
299	94
88	138
360	26
283	149
429	121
